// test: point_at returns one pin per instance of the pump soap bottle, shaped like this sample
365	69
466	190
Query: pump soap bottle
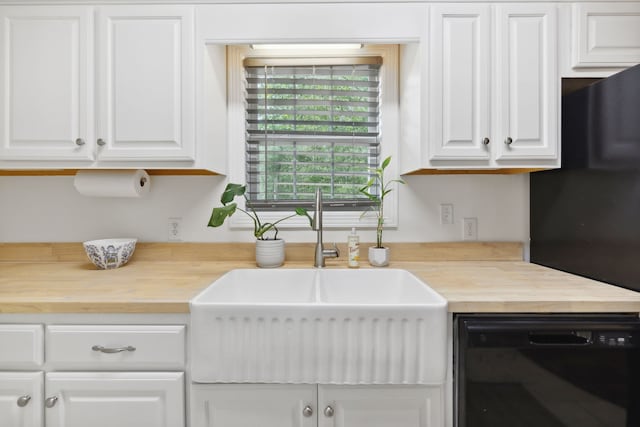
353	249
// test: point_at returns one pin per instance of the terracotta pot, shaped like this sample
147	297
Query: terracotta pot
379	257
270	253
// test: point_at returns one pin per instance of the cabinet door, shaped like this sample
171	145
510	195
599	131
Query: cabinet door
527	82
44	88
605	34
380	406
253	405
20	399
145	75
114	399
459	82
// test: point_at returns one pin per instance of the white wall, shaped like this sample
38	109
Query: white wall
48	209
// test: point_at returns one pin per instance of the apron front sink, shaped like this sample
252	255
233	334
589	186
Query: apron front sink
334	326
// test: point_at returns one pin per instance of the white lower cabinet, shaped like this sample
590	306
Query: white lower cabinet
246	405
114	399
295	405
97	399
379	406
123	375
21	399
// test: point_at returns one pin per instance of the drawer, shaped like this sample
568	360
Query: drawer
115	347
21	346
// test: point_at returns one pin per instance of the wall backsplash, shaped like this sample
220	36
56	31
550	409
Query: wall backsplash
48	209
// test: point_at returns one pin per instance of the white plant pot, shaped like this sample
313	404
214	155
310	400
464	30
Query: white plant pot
379	257
269	253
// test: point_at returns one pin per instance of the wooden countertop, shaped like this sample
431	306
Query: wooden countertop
481	277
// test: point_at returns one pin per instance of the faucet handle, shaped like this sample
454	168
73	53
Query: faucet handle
333	252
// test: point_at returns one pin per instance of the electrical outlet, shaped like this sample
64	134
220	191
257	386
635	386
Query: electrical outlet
446	213
470	229
175	229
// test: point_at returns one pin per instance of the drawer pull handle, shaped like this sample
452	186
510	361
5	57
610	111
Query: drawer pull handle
24	400
50	402
328	412
110	350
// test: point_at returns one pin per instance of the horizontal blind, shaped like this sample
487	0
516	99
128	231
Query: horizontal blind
311	125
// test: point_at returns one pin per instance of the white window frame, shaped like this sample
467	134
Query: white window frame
389	135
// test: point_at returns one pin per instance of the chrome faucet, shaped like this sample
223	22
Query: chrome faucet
321	252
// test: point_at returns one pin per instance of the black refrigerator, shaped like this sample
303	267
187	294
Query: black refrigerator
585	216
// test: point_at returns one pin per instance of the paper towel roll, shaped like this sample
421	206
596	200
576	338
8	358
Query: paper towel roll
112	183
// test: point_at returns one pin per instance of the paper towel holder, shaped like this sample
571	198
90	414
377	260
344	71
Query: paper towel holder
112	182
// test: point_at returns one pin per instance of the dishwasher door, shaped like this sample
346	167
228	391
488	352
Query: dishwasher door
553	371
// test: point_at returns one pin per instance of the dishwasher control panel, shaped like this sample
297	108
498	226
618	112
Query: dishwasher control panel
614	339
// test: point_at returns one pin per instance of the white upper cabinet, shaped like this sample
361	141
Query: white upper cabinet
459	80
605	35
145	83
109	86
492	89
45	72
527	82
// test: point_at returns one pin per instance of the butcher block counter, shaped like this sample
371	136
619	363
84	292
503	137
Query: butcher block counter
163	277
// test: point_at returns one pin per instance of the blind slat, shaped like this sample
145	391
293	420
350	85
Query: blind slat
336	104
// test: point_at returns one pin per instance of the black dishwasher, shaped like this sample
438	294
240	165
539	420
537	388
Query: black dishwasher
547	371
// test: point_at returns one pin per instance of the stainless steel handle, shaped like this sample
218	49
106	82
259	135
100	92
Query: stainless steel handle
508	141
23	400
307	411
486	141
328	411
110	350
333	252
50	402
80	142
100	142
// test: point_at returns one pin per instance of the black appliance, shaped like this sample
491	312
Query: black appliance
537	371
585	217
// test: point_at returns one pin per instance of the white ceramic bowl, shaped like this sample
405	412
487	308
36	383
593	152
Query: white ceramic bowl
110	253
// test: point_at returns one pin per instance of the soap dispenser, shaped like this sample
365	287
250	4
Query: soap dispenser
353	249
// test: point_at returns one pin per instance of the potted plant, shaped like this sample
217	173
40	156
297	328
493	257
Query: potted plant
376	190
269	249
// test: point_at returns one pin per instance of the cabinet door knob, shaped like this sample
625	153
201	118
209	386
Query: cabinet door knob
102	349
328	412
100	142
23	400
80	142
486	141
307	411
50	402
508	141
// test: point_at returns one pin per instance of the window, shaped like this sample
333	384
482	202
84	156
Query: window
311	122
290	136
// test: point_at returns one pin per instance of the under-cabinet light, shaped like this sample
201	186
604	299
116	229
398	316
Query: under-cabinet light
305	46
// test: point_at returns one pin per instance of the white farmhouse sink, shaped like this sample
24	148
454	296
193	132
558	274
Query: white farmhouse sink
260	286
369	326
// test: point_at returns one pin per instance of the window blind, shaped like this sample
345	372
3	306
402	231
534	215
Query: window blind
309	125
